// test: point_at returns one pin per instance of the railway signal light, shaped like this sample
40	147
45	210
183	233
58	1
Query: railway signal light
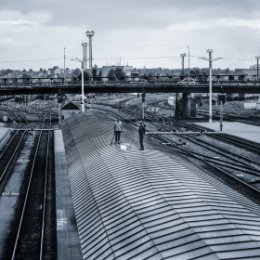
143	97
61	98
221	99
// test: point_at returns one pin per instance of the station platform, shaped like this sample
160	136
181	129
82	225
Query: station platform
245	131
4	134
68	245
133	204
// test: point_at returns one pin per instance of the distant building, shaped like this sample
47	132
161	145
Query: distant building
69	110
126	69
250	73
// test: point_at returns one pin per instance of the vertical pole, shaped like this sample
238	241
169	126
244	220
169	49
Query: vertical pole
90	58
143	100
143	110
83	67
182	62
210	85
59	114
82	89
64	72
90	34
84	54
90	52
221	114
210	95
257	67
188	63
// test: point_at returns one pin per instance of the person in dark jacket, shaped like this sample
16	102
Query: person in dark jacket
117	130
141	131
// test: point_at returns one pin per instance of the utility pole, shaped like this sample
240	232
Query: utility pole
143	103
64	66
90	34
210	59
182	55
84	48
82	89
221	99
188	47
82	79
210	51
257	67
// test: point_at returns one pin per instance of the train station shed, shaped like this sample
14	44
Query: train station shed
132	204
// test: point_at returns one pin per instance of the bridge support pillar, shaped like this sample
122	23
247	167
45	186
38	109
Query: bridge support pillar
188	105
177	106
241	96
229	96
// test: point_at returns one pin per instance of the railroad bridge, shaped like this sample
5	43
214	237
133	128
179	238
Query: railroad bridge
15	86
31	86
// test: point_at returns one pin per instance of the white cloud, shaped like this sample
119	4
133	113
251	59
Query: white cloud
237	22
216	24
17	23
16	18
33	29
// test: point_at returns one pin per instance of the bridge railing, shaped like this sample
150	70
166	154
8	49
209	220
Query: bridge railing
105	81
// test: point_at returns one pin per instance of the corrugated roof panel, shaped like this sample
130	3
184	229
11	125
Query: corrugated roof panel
145	205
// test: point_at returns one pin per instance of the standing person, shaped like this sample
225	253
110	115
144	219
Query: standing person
118	129
141	131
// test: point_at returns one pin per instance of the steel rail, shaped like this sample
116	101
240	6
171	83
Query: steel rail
11	159
41	254
19	230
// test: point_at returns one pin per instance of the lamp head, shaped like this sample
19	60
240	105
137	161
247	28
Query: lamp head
90	33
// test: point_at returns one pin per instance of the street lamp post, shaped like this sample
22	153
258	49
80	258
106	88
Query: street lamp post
90	34
143	103
83	67
188	47
210	59
64	65
82	84
257	67
82	88
210	51
182	55
84	54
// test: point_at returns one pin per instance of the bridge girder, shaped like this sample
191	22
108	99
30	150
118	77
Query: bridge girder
128	88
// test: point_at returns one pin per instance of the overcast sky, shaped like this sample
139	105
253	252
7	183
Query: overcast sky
149	33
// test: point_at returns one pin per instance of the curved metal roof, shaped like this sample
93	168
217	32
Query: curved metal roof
132	204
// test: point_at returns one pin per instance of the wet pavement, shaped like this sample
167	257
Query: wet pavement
245	131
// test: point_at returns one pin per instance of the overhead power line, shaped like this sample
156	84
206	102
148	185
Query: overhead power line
137	58
121	58
32	60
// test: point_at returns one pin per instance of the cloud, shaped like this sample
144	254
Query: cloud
136	28
104	14
16	22
16	18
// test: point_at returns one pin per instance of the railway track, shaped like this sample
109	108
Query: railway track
211	168
237	141
33	228
238	170
9	156
246	119
248	169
